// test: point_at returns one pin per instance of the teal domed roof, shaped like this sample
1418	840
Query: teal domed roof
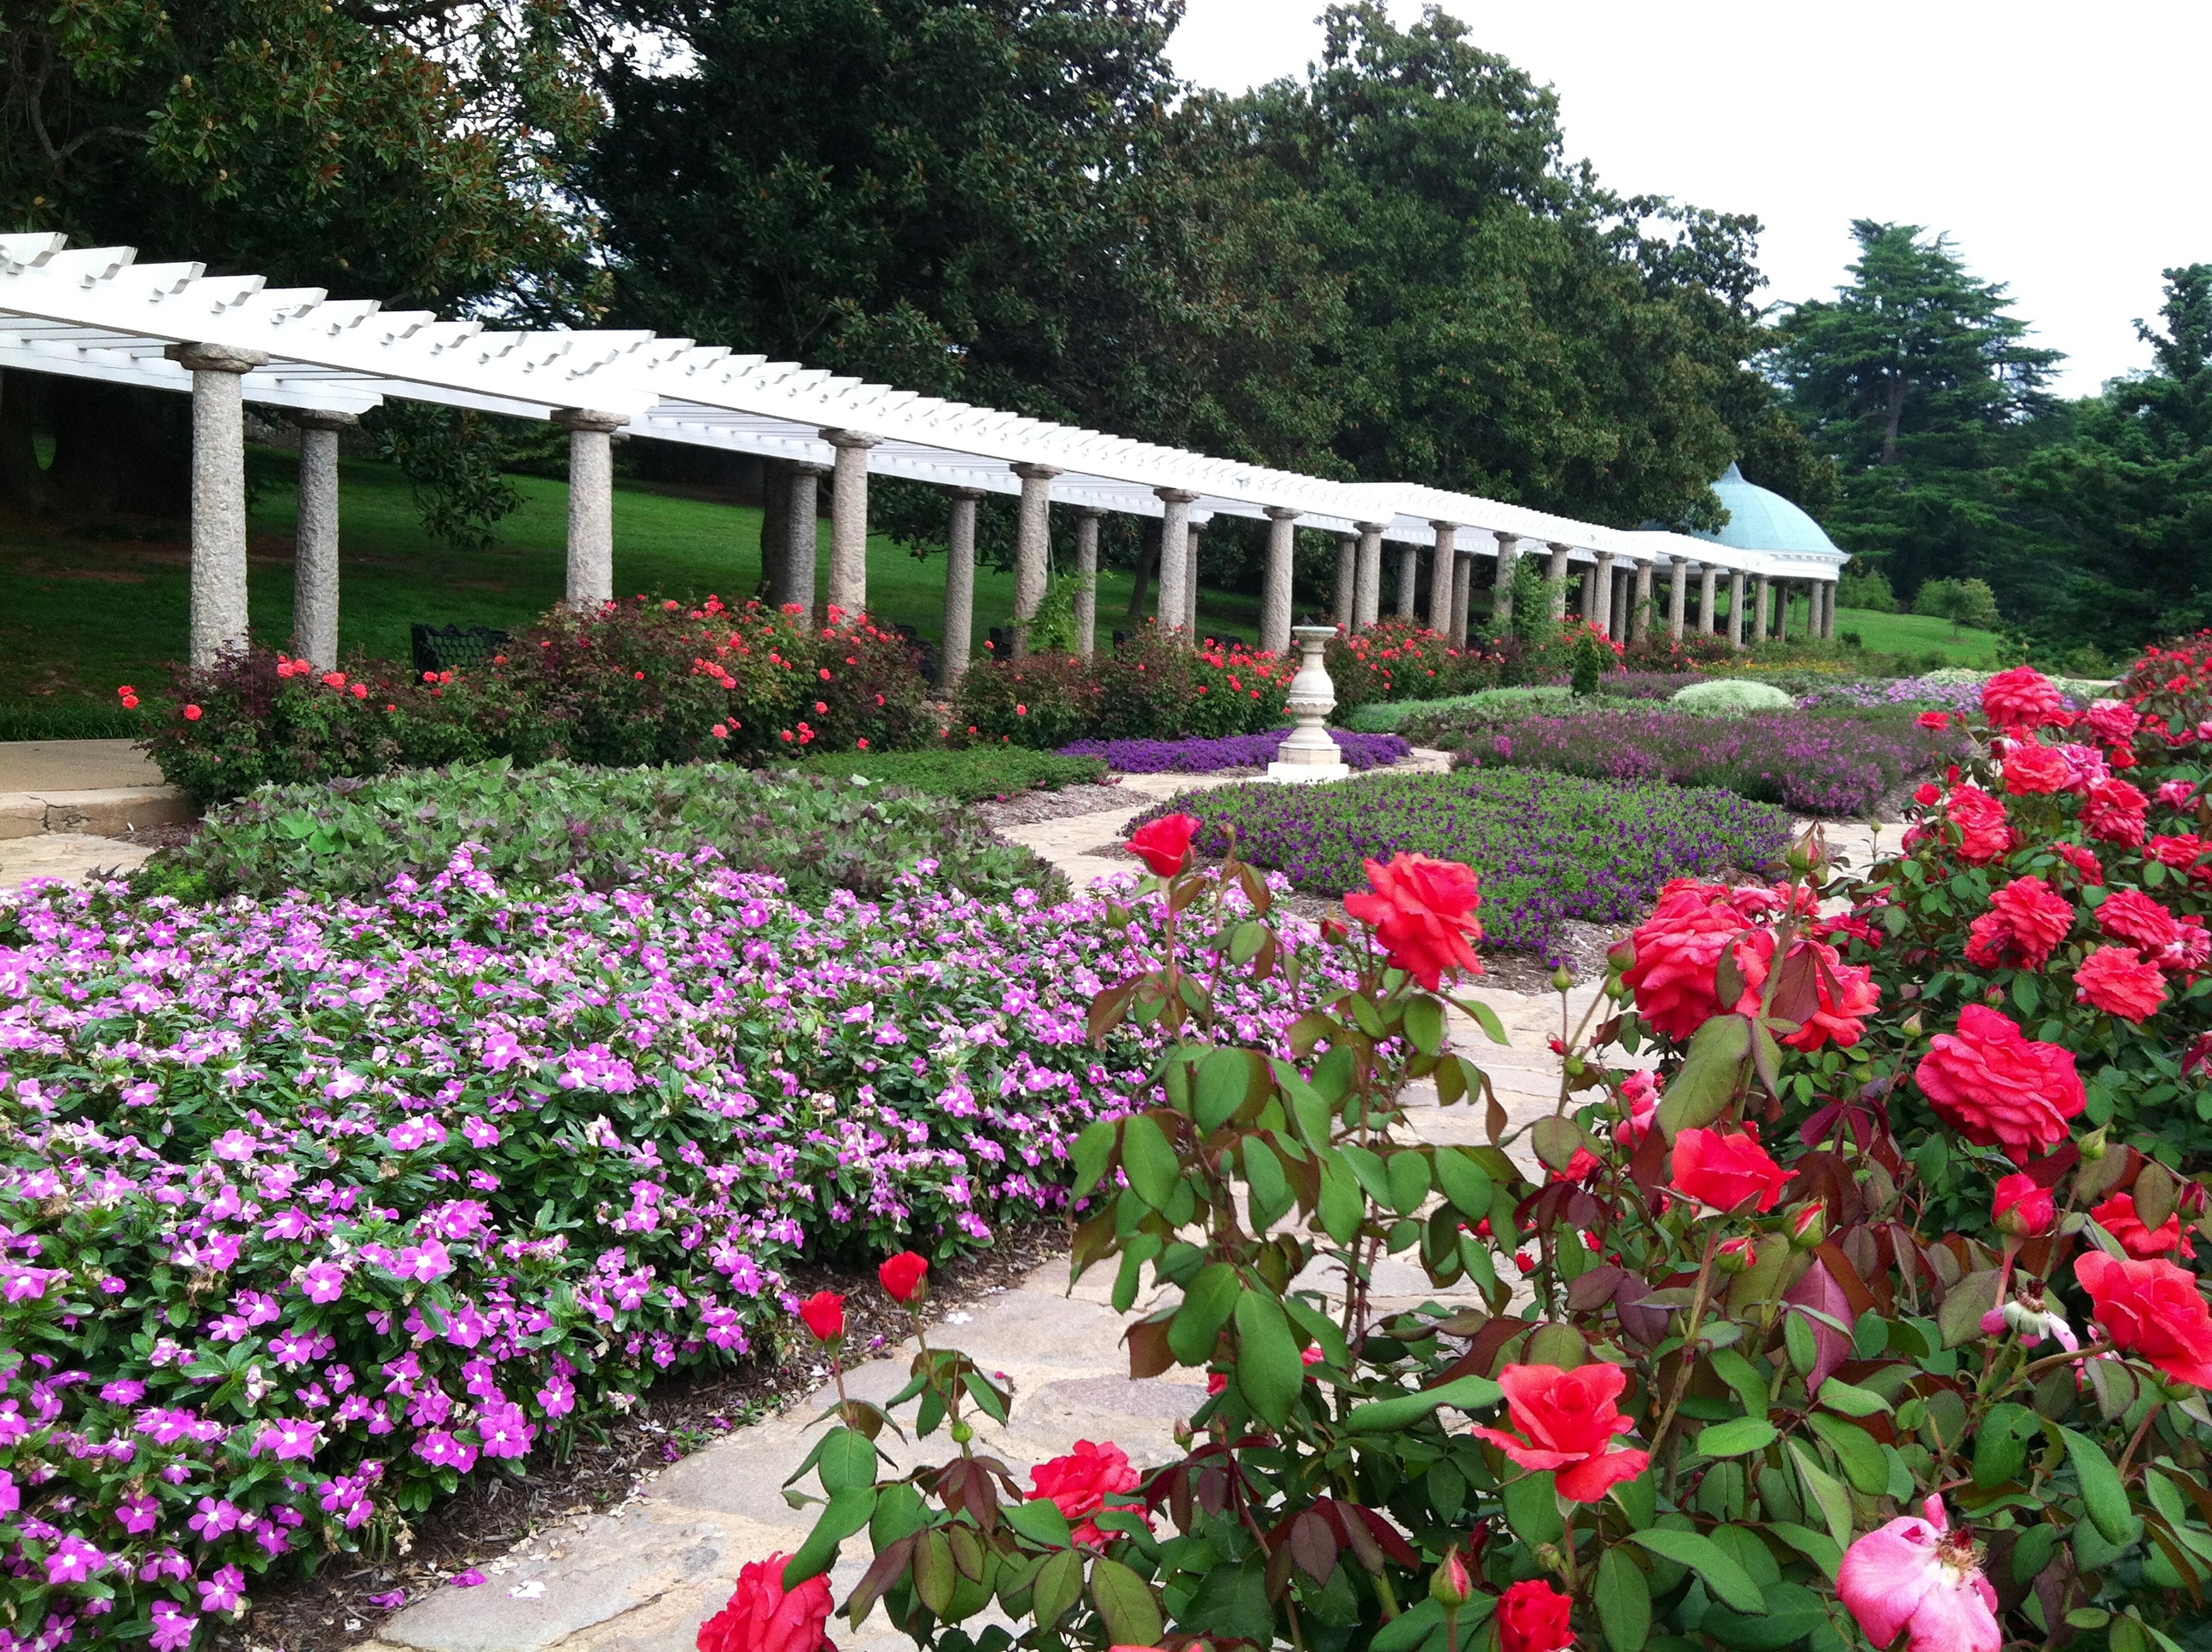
1762	520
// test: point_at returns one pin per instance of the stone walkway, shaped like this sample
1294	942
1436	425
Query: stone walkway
69	808
642	1577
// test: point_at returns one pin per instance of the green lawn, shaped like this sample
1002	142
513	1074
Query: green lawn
1902	634
81	612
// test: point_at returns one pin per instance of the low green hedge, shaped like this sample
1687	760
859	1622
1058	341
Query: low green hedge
963	776
818	833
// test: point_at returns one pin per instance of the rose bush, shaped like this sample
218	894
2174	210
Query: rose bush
638	682
1152	686
1754	1347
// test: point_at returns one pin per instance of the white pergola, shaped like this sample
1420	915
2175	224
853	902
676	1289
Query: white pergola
96	312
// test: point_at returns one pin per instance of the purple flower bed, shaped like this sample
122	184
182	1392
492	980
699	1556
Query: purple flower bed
1912	691
1549	847
313	1206
1816	763
1237	751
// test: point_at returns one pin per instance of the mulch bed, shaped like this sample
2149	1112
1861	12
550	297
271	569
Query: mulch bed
675	1417
1027	808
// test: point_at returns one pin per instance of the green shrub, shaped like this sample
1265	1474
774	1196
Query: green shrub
963	776
351	837
1733	694
73	719
1386	716
1870	590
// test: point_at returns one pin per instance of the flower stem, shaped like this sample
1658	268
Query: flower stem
1689	1365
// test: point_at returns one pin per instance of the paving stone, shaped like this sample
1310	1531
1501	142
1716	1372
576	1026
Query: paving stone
73	857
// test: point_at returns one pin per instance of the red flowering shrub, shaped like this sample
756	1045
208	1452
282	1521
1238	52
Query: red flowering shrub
1152	688
638	683
1401	660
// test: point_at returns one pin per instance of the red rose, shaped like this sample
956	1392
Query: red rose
903	1276
1935	720
2114	979
1927	795
2022	1208
2128	914
824	1314
1998	1087
2116	812
2026	920
1165	844
1078	1484
763	1617
2036	770
2022	697
1567	1421
2180	850
2118	1217
1423	912
2114	721
2153	1308
1723	1171
1677	949
1985	830
1534	1617
192	713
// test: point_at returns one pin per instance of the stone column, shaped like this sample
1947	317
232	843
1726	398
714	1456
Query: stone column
960	642
1409	580
1678	596
1501	589
1275	583
776	528
1347	562
1032	548
1367	589
1604	602
1590	593
1190	586
1828	608
1624	602
590	503
1462	593
315	546
1736	629
802	536
1175	557
1556	573
1444	577
848	522
219	620
1639	618
1763	619
1086	589
1782	594
1708	577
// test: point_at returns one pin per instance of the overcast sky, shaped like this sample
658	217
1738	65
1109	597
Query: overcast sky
2064	148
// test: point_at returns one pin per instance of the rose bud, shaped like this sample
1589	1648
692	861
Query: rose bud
2022	1210
904	1276
1808	1226
1736	1255
824	1314
1450	1586
2092	1145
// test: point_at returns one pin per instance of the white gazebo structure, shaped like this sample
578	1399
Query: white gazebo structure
97	313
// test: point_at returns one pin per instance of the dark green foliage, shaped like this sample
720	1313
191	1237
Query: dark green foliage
602	825
963	776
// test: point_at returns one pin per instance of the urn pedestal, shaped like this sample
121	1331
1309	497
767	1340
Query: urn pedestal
1309	754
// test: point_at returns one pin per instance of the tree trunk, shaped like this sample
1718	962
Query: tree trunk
22	483
1148	561
1896	416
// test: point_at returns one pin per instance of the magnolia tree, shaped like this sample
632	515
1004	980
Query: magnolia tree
1840	1298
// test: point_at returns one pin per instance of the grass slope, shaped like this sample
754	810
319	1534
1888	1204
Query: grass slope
79	612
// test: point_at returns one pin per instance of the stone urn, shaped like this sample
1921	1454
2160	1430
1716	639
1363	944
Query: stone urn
1309	754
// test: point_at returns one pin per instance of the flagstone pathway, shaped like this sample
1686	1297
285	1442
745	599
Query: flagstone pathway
642	1577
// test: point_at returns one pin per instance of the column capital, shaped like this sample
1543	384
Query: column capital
801	467
1281	513
1089	513
968	493
1370	527
1563	549
585	418
1028	472
1605	558
848	439
322	418
1175	496
216	358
